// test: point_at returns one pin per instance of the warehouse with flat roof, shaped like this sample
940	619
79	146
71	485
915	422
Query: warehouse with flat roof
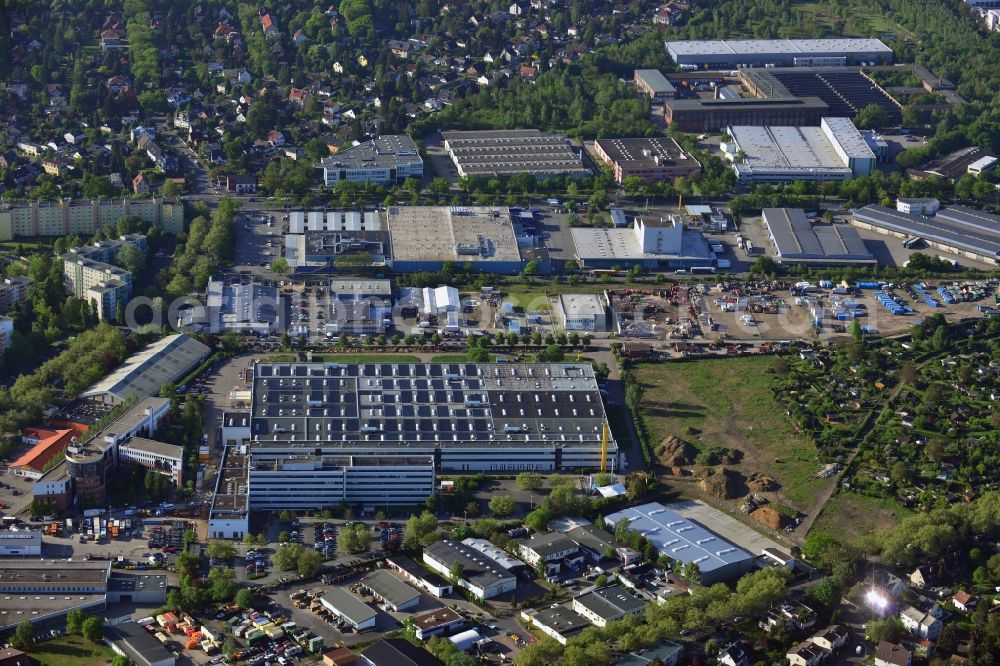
833	151
709	115
145	372
654	84
685	541
651	242
959	230
497	153
423	238
481	575
733	53
652	159
797	240
349	608
391	591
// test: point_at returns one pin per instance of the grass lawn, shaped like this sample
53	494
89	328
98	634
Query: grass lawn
728	401
366	358
529	301
861	22
70	651
850	515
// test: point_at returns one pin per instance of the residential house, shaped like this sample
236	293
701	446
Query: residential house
891	654
805	653
140	184
924	576
269	27
734	655
117	83
964	601
400	49
791	615
239	184
919	623
830	639
299	37
276	138
298	97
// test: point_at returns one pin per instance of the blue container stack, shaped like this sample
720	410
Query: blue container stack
890	304
946	294
928	299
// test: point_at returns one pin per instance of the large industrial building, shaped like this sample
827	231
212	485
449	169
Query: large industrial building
386	160
652	83
43	591
685	541
423	238
243	308
653	160
359	306
733	53
482	576
651	242
317	241
508	152
797	240
709	115
962	231
833	151
845	90
84	218
375	434
144	373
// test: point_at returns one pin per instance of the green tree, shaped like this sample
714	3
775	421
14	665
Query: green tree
286	557
279	266
243	598
92	629
309	563
439	186
224	550
528	481
121	660
74	621
502	505
24	636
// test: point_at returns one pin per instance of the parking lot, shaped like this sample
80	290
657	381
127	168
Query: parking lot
259	237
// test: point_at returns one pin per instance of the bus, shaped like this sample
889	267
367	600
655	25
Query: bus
702	269
911	242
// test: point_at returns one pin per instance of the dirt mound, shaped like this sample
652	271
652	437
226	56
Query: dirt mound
759	482
767	516
723	483
675	452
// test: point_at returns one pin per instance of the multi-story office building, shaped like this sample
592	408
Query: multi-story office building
653	159
388	160
67	216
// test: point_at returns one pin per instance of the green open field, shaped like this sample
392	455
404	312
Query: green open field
70	651
857	20
850	515
727	402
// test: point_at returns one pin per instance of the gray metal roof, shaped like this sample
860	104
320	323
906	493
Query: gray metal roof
610	602
390	588
428	406
384	152
477	568
977	234
678	538
795	237
349	606
156	448
765	47
145	372
655	80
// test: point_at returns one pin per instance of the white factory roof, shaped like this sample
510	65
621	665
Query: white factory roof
578	305
601	243
440	298
352	220
146	371
679	538
768	46
494	552
849	138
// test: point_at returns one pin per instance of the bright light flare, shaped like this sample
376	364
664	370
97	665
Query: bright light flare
877	600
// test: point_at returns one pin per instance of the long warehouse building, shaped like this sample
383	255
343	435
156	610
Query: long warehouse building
797	240
959	230
685	541
509	152
732	53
